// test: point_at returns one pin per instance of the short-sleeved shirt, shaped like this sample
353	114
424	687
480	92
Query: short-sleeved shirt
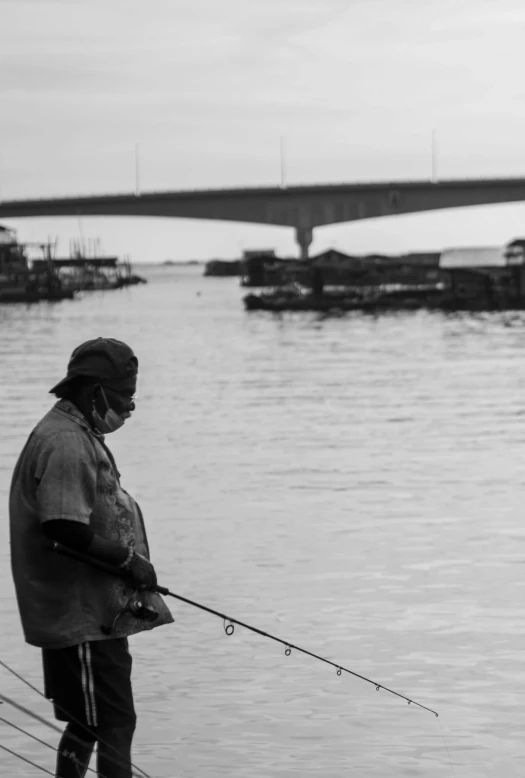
66	471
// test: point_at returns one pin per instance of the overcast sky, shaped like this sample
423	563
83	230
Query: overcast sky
206	88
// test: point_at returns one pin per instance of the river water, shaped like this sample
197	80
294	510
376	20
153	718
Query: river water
353	485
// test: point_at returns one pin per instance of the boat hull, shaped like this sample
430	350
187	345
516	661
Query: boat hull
35	297
325	304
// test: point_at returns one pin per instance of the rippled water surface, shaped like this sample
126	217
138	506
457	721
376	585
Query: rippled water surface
353	485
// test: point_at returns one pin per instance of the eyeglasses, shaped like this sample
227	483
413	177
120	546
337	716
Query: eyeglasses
130	398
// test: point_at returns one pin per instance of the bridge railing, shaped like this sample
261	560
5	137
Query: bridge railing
371	183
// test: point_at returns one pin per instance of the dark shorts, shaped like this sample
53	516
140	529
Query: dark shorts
90	683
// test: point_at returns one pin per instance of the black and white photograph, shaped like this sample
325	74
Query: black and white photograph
262	388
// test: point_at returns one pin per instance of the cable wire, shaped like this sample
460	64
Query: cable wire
29	734
38	740
34	764
32	714
140	774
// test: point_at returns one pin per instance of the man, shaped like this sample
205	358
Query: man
66	489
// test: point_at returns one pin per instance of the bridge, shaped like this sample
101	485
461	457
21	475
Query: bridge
302	208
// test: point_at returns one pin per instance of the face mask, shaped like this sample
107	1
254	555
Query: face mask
111	421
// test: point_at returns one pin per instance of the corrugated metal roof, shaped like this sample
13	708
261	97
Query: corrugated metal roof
482	256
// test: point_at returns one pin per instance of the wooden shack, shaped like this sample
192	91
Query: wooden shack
484	278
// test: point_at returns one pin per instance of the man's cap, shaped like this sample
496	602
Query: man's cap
104	358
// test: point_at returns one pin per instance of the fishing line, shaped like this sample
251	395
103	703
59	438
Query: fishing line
228	622
139	774
448	752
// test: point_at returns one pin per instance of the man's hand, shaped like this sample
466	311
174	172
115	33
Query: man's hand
140	572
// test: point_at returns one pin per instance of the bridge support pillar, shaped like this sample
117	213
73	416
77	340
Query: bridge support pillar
304	236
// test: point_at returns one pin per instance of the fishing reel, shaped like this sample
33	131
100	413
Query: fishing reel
136	608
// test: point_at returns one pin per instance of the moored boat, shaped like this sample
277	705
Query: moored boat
341	300
22	282
85	270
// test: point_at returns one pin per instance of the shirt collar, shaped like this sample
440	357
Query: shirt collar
70	409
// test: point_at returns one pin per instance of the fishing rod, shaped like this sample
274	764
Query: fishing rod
228	621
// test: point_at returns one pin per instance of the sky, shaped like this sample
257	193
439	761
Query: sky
199	94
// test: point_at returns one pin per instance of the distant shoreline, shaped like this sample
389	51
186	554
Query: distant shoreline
180	262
